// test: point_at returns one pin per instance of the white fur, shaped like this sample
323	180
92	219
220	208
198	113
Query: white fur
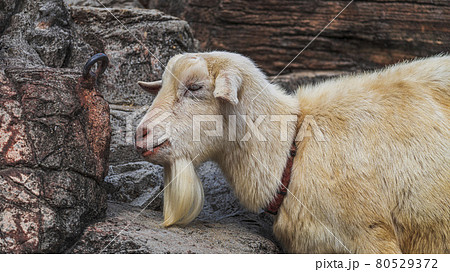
183	194
379	183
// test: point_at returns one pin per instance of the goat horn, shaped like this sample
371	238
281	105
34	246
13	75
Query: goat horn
151	87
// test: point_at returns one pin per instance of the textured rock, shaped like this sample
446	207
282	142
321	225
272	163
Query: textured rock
220	201
368	34
138	49
243	234
54	143
129	181
51	166
106	3
6	10
39	33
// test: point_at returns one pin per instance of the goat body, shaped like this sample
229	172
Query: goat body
378	181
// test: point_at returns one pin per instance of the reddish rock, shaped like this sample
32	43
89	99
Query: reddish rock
54	143
20	229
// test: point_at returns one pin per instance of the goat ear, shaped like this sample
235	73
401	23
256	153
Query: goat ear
151	87
227	85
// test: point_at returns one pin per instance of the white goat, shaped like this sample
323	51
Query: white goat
378	182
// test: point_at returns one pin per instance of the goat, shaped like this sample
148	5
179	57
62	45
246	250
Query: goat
377	182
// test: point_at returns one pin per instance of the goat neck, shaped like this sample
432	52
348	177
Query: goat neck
254	166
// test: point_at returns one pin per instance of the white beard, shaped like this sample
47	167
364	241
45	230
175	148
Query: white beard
183	196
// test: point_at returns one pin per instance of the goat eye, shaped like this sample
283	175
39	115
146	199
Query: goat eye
194	87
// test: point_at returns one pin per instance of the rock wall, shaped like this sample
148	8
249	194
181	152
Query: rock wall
39	34
49	174
54	131
367	35
106	3
54	142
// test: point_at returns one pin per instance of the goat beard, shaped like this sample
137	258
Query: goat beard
183	194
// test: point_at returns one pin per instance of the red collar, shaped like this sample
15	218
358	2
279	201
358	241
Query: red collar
275	204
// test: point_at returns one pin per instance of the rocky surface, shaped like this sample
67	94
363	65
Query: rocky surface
136	183
367	35
106	3
55	130
130	230
54	141
50	194
138	42
40	34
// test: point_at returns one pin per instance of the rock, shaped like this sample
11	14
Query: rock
129	181
54	142
7	8
39	33
54	168
124	120
220	201
130	230
367	35
147	198
106	3
54	136
139	47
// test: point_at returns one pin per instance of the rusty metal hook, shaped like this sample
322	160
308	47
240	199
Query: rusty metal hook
101	67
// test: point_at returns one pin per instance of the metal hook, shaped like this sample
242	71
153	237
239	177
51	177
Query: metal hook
104	61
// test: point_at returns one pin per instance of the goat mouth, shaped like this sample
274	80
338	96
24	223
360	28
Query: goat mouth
155	149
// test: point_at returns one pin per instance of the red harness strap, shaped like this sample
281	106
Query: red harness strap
275	204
